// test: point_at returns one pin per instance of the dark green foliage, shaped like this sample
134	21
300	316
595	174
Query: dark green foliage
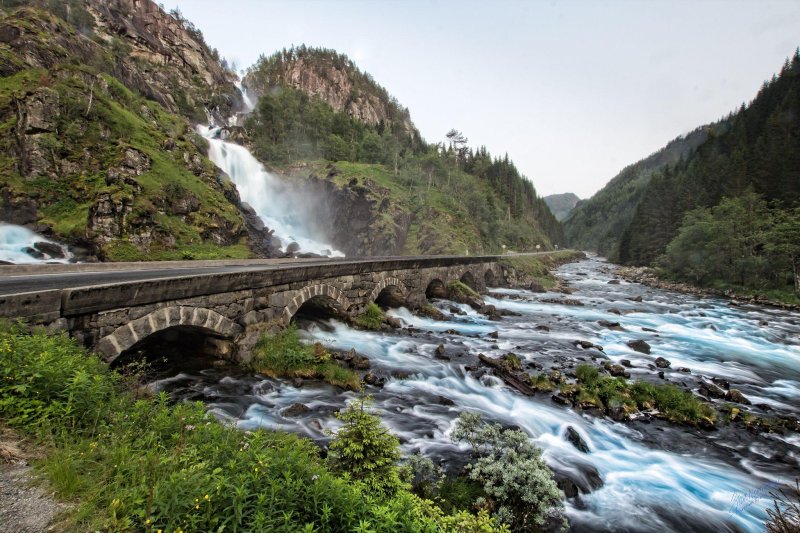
758	150
372	318
364	450
149	465
587	374
740	242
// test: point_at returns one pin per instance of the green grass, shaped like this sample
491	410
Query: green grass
372	318
458	290
150	465
284	355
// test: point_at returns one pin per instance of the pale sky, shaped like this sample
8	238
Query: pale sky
573	91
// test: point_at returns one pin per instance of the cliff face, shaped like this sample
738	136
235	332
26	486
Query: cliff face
174	49
93	148
334	79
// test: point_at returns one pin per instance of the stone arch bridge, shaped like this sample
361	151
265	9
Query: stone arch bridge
231	308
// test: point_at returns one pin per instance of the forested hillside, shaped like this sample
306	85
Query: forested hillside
758	151
319	117
598	223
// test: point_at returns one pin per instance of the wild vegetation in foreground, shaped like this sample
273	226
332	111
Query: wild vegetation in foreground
145	464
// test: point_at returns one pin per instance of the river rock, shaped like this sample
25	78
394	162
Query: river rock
615	312
610	325
296	409
614	282
542	328
440	352
576	440
710	390
535	286
555	376
33	252
492	335
721	382
297	382
626	363
734	395
618	371
637	298
560	399
567	486
394	322
683	370
649	330
639	346
53	250
661	362
441	400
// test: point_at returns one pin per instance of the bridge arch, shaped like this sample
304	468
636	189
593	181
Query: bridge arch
489	279
309	292
398	290
469	280
436	288
126	337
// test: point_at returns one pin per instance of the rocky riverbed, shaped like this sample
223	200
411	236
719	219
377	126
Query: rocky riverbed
637	472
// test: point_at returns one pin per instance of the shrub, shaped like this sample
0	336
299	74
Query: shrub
365	450
425	477
587	374
372	318
518	485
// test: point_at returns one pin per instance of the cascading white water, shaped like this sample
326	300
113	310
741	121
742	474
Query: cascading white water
655	477
266	194
18	246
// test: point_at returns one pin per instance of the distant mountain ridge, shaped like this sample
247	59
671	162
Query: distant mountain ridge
561	204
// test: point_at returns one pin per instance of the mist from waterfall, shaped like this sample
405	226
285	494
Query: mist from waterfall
279	207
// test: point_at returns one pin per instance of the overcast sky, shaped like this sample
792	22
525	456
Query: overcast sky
573	90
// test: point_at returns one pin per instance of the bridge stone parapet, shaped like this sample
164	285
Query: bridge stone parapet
237	307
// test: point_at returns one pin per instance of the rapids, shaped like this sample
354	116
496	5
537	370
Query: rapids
656	477
17	242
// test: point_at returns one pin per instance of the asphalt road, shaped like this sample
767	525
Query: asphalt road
47	277
40	282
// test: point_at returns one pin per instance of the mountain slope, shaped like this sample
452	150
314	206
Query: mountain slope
758	150
93	148
598	223
561	204
340	136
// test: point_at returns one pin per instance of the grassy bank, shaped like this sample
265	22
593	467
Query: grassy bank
149	465
283	355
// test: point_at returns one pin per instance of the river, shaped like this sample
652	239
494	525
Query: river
655	476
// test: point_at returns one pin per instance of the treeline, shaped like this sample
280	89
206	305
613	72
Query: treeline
759	150
742	241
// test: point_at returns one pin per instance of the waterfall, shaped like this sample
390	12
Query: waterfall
267	194
21	245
